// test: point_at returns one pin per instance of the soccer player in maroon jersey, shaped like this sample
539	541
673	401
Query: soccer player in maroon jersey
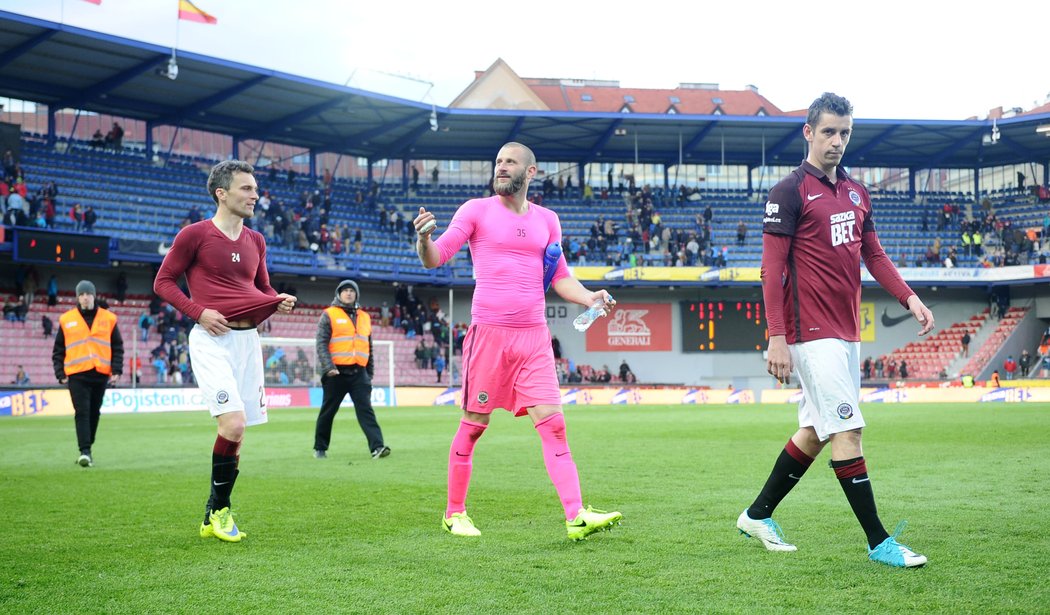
818	225
230	294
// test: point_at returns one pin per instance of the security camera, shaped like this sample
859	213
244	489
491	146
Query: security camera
172	71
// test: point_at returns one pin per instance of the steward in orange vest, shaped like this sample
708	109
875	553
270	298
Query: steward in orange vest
88	355
346	364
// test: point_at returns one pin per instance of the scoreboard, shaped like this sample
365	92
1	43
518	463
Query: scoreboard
42	246
723	326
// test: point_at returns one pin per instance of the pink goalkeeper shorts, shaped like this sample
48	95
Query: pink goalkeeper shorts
509	368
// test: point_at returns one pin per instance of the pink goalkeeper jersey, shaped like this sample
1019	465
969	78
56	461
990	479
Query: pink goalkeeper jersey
507	251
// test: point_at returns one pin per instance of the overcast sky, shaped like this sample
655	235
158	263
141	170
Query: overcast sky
893	59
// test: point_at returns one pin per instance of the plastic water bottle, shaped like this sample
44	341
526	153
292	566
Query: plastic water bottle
550	264
591	314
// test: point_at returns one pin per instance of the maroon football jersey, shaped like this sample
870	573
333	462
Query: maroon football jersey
223	274
822	279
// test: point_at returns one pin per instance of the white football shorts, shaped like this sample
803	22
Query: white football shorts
229	372
829	372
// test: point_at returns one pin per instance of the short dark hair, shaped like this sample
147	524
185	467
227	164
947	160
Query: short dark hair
221	175
831	103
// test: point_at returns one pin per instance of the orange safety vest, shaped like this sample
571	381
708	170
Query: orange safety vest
88	349
349	344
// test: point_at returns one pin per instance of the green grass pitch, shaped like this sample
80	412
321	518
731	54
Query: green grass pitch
349	534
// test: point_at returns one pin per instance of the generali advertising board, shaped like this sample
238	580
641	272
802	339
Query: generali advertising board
633	327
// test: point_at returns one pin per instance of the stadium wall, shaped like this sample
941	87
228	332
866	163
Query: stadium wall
742	370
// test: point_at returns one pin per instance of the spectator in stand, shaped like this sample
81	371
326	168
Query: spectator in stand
145	322
434	174
98	140
626	375
21	309
903	369
965	341
90	218
1010	366
160	364
17	201
439	362
21	378
994	382
47	325
14	216
115	137
10	164
1045	366
1024	363
952	258
433	352
122	287
76	214
52	292
11	310
384	315
879	366
422	355
741	233
30	285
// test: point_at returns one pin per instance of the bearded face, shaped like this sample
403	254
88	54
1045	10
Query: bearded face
507	184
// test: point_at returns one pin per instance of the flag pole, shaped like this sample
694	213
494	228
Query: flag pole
177	20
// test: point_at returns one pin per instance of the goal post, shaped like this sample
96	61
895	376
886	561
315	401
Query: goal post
292	362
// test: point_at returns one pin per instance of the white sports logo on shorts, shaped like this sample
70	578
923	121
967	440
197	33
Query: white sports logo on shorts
236	256
222	397
483	397
845	411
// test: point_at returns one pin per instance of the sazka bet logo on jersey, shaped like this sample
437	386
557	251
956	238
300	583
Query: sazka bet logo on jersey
842	225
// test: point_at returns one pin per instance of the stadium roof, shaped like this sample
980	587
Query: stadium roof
68	67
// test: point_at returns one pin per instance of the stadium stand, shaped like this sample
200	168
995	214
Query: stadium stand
1004	327
138	200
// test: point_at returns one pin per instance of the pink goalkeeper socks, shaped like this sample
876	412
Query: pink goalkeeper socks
560	466
460	463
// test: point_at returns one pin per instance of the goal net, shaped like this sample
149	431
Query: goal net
292	361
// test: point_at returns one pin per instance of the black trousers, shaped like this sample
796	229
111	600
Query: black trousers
86	392
356	382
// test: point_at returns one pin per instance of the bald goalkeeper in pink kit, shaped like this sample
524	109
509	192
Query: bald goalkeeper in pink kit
507	357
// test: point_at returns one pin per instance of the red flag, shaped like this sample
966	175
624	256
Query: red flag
189	12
